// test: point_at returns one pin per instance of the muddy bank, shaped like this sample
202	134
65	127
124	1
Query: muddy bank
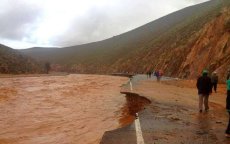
134	104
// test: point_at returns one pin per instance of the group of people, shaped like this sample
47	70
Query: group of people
157	73
205	86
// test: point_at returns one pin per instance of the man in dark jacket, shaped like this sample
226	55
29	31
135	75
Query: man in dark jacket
204	87
227	132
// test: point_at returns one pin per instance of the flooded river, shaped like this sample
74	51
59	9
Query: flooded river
60	109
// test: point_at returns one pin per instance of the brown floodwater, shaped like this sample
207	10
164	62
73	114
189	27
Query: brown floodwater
60	109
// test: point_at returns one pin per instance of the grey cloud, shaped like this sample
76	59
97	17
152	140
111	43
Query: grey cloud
84	29
100	24
197	1
18	20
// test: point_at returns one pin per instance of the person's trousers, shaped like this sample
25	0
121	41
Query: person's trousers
214	85
228	128
203	100
228	108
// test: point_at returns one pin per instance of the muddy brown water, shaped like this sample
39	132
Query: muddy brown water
62	109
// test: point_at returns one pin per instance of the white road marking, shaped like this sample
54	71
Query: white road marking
140	139
131	85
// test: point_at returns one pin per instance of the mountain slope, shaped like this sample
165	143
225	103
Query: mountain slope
13	62
169	43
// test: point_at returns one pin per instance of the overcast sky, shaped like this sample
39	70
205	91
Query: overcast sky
29	23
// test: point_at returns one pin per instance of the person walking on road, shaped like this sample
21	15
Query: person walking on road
214	80
204	87
227	132
157	74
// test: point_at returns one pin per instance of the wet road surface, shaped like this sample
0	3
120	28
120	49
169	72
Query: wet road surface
173	117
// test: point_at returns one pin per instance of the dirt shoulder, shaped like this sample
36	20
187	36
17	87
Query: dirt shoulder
174	113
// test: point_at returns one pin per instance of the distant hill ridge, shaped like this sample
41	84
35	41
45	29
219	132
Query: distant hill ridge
175	43
14	62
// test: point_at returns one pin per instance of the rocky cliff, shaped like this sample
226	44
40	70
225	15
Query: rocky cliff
199	43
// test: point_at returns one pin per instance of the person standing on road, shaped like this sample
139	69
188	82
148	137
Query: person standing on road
204	87
157	74
227	132
147	74
214	80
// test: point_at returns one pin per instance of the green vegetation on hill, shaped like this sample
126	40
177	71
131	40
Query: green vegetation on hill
13	62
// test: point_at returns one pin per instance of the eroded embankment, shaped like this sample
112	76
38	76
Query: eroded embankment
134	104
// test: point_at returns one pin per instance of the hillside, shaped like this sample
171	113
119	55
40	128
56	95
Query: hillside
13	62
181	44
